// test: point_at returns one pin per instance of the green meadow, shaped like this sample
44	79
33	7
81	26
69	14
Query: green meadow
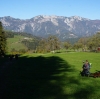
50	76
15	43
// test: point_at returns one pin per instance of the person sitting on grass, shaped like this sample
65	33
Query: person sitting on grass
86	68
87	64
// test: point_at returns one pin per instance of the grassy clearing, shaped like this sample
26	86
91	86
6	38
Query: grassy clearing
51	76
15	43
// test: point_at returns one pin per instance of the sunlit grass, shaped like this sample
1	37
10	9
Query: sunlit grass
15	43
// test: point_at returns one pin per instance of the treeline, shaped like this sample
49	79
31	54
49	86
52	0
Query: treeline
52	44
2	41
31	44
88	43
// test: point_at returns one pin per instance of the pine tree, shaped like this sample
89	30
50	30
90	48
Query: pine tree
2	40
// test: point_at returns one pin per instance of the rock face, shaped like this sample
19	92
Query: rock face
62	27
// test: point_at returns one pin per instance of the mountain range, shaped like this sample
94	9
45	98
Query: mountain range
61	26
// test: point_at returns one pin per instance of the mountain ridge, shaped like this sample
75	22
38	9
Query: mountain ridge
45	25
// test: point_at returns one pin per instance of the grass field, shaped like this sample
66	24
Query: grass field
51	76
15	43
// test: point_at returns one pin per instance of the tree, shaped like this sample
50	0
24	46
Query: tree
2	41
77	46
67	45
54	43
82	42
42	46
94	42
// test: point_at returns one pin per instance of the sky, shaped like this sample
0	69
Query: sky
26	9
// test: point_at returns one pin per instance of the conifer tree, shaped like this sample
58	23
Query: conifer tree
2	40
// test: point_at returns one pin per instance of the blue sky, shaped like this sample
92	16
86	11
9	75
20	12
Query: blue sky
26	9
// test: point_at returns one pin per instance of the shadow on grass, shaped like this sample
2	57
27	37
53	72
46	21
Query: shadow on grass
3	59
41	78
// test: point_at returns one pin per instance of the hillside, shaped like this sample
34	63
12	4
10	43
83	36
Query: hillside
15	43
20	41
